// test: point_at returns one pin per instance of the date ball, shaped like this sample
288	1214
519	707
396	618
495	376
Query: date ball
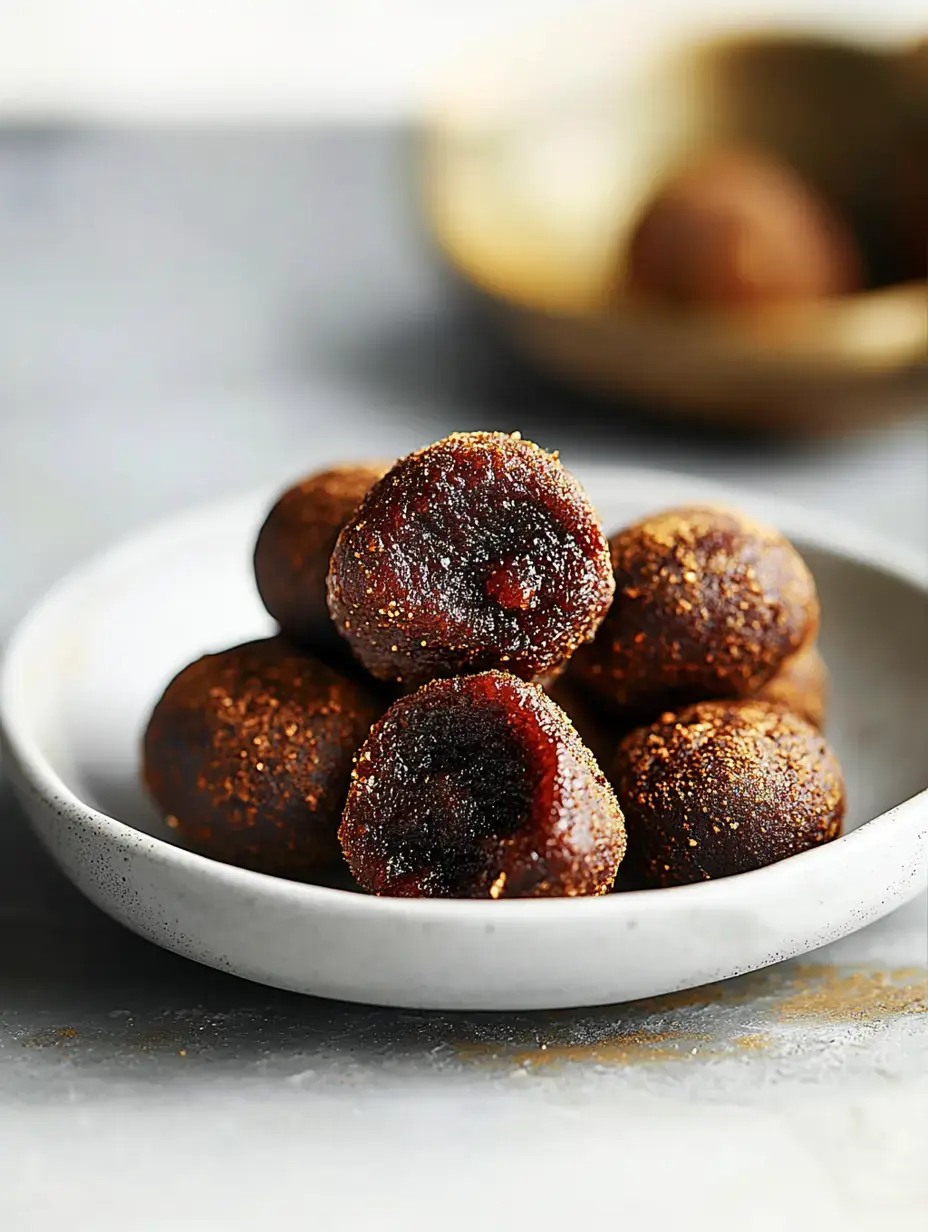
737	228
479	787
476	553
707	604
248	755
801	685
295	545
724	787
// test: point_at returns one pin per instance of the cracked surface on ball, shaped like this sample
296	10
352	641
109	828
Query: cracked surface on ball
479	787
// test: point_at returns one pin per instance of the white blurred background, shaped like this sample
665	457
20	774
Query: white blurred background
233	59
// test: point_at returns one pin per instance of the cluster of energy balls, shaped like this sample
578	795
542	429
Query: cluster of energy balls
461	649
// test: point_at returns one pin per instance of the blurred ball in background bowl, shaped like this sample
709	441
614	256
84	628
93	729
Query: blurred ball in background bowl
732	228
544	162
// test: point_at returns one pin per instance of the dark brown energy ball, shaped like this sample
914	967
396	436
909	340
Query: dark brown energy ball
248	755
724	787
475	553
801	685
479	787
707	604
295	545
737	228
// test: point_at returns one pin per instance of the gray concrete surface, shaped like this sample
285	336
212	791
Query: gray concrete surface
184	315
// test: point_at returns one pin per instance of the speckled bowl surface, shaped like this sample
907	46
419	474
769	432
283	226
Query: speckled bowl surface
83	670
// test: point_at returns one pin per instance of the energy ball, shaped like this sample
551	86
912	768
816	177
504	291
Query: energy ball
724	787
476	553
295	545
248	755
739	228
479	787
707	604
801	685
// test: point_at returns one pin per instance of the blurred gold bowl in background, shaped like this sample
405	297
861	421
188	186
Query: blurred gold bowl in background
539	158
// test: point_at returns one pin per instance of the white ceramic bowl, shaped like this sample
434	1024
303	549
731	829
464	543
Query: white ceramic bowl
85	667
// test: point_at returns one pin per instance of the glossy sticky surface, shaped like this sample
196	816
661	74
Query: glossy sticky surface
480	787
475	553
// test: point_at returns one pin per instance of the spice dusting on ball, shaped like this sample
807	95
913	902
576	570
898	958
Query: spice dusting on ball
478	552
724	787
295	545
707	604
479	787
248	755
800	685
738	228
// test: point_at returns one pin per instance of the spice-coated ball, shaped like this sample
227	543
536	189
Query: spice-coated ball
479	787
707	604
294	546
248	755
724	787
738	228
478	552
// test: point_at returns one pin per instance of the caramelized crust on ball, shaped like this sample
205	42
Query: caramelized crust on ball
248	755
724	787
707	604
475	553
295	545
801	685
479	787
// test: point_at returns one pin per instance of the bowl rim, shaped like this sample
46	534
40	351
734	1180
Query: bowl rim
41	780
